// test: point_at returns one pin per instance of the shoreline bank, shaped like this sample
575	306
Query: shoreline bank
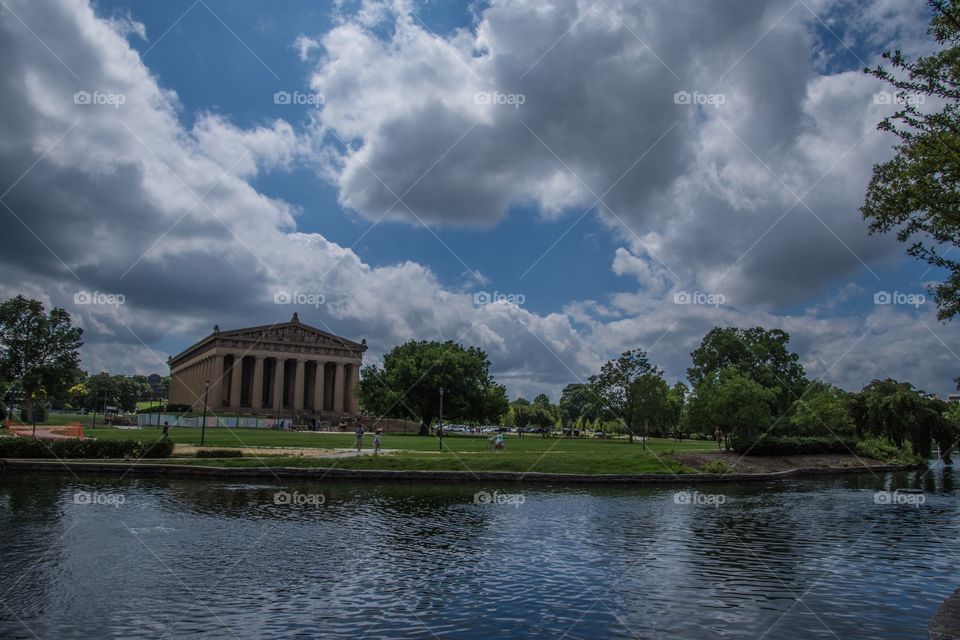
945	623
332	473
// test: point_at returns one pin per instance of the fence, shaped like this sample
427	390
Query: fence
177	420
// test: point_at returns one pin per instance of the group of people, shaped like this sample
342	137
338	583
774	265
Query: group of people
377	438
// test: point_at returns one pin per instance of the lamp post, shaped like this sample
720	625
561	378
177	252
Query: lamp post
441	418
203	427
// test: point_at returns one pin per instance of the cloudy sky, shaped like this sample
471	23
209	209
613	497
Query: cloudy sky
553	180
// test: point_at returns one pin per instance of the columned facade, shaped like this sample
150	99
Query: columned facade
288	369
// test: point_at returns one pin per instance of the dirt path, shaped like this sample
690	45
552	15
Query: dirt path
181	450
772	464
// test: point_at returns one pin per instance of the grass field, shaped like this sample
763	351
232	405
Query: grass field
220	437
413	452
518	461
460	452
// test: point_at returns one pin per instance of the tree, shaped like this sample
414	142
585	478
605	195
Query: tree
822	411
577	401
533	416
542	400
101	391
917	192
890	409
408	385
39	352
757	353
648	399
77	393
732	402
948	435
130	390
613	382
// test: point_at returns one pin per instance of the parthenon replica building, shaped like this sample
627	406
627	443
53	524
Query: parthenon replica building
285	369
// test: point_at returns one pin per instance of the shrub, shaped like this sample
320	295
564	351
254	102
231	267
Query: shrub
885	451
40	410
219	453
716	466
21	447
794	446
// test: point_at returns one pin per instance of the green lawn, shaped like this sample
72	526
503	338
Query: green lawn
220	437
519	461
72	418
461	452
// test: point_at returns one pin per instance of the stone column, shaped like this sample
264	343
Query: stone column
236	376
193	386
216	382
318	388
278	384
196	390
338	390
298	384
256	394
353	402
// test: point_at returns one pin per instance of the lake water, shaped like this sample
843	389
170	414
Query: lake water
98	557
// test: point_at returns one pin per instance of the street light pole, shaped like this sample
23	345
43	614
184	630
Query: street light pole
441	418
203	428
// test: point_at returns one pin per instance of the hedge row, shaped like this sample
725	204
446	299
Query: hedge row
167	408
219	453
794	446
22	447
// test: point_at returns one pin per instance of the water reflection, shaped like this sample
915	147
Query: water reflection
796	559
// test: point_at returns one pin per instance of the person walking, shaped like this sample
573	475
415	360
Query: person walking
376	440
359	433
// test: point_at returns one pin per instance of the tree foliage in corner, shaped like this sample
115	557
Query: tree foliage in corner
917	193
408	385
38	350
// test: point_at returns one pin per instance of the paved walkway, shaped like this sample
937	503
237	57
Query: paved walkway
45	433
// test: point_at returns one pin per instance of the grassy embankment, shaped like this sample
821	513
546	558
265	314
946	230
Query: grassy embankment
412	452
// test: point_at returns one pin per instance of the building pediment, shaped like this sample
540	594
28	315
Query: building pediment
291	337
289	334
